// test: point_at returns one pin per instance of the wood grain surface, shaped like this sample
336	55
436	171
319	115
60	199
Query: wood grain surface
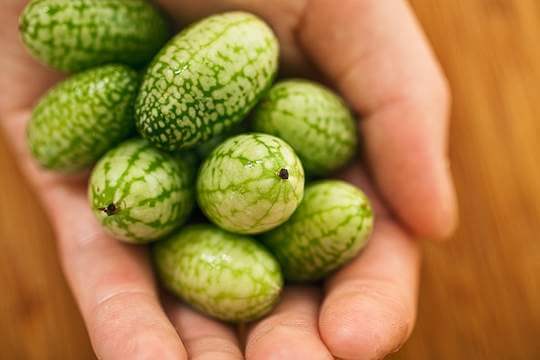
480	294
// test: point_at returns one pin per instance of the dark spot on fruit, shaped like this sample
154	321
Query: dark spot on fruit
284	174
111	209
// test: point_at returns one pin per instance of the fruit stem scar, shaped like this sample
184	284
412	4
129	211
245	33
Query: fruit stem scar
284	174
111	209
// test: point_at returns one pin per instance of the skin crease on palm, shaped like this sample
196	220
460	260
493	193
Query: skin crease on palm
375	55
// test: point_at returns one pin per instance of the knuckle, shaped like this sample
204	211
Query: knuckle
281	323
212	347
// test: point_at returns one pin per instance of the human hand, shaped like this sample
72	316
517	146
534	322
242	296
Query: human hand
375	55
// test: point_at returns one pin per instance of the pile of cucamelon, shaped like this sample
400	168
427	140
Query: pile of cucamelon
198	122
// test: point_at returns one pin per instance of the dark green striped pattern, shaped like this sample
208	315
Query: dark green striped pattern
230	277
313	120
206	80
83	117
151	192
72	35
331	225
239	186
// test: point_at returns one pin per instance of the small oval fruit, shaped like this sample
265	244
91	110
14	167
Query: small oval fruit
139	193
329	228
83	117
206	80
250	183
227	276
313	120
73	35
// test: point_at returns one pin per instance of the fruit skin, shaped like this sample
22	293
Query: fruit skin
206	148
313	120
206	80
73	35
152	192
331	225
228	276
83	117
239	186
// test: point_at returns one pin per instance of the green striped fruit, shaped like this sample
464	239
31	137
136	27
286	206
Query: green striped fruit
329	228
228	276
251	183
139	193
313	120
83	117
72	35
206	80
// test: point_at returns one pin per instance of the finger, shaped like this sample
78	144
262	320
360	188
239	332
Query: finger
290	331
204	338
375	53
112	282
370	304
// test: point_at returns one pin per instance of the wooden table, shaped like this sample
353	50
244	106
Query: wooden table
480	296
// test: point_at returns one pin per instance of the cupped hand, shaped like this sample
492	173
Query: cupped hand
375	55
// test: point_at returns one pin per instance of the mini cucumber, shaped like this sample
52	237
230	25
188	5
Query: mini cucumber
206	80
139	193
330	226
313	120
73	35
83	117
227	276
250	183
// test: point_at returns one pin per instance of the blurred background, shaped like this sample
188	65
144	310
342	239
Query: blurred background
480	292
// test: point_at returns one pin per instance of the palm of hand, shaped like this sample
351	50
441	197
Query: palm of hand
367	309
